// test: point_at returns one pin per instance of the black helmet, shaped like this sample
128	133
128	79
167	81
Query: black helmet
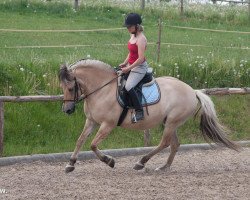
132	19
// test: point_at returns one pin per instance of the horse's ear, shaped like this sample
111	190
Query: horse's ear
64	73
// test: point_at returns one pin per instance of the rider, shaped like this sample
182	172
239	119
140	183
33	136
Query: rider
135	64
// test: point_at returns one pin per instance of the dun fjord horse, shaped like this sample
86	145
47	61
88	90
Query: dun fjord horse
96	82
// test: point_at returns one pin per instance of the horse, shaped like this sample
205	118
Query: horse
95	82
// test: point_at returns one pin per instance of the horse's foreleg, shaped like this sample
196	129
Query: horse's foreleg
165	141
102	133
174	145
87	130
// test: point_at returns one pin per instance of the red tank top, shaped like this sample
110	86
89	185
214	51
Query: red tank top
133	53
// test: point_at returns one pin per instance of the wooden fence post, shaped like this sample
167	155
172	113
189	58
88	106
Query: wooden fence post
159	41
76	4
1	127
142	4
182	12
147	138
249	10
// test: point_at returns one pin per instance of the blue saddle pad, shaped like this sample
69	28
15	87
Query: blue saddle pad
151	95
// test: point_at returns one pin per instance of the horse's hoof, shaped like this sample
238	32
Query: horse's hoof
158	169
111	163
162	169
138	166
69	168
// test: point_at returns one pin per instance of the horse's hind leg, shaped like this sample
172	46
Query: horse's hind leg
169	131
174	145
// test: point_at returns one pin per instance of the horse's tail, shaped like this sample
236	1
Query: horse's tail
209	124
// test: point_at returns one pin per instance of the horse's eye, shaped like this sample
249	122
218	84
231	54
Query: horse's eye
70	89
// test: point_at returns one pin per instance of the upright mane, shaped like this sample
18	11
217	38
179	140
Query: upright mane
92	64
65	72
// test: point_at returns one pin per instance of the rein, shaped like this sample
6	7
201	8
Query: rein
78	98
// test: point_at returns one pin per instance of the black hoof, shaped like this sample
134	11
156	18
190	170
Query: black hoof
109	161
69	168
138	166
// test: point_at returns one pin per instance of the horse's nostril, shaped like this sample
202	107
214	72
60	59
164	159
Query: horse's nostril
68	108
68	111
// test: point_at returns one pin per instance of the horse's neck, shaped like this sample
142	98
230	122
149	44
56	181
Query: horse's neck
92	79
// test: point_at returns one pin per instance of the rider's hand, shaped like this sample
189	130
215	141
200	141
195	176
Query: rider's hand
122	65
125	69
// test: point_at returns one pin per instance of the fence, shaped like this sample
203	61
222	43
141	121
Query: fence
143	4
16	99
159	43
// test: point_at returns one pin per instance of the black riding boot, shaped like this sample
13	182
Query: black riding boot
137	105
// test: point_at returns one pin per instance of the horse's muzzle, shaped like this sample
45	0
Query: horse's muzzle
68	108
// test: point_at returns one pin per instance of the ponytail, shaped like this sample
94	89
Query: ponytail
140	28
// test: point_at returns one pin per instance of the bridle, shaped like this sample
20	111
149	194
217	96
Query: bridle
78	98
76	95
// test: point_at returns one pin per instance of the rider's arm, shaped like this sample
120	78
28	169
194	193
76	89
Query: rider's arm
125	62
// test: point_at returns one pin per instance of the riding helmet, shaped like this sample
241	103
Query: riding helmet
132	19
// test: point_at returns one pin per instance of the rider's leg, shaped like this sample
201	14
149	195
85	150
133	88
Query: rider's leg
137	105
135	76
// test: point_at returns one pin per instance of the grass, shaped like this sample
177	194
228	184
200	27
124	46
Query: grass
42	127
32	128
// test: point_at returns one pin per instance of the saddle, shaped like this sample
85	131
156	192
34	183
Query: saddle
147	90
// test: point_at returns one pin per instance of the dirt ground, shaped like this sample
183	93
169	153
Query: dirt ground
208	174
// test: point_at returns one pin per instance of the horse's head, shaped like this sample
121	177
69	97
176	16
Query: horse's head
79	79
70	89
